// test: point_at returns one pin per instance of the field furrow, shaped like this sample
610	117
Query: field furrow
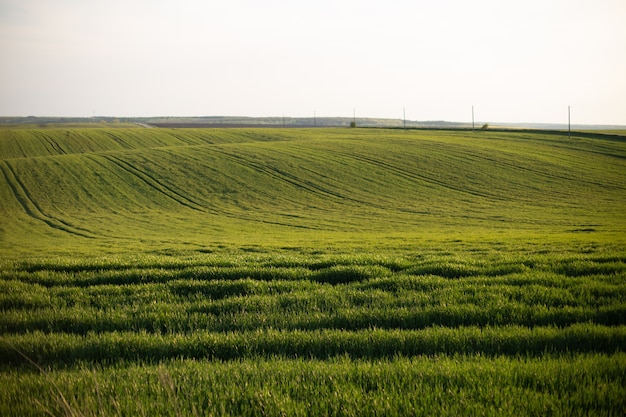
155	184
283	176
31	208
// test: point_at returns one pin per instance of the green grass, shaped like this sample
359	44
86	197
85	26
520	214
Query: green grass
311	272
95	191
422	386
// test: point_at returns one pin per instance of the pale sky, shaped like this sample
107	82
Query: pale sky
515	61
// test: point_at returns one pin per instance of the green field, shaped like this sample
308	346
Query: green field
311	272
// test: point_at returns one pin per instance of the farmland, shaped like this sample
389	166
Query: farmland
311	272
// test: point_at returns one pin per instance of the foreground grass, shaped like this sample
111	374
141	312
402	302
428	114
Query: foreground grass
494	333
590	384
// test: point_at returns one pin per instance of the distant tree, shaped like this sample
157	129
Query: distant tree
485	126
353	124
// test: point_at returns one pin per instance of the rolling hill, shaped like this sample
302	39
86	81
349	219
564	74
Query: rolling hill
93	190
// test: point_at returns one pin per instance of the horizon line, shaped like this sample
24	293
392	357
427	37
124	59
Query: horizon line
313	118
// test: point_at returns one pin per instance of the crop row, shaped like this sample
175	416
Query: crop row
222	282
96	271
389	301
396	291
240	314
63	348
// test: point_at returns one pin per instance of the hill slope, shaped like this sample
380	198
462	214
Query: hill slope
99	189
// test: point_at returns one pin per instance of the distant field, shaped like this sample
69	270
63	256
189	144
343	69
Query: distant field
311	272
613	132
98	191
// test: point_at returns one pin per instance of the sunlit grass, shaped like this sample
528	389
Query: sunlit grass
99	191
311	272
421	385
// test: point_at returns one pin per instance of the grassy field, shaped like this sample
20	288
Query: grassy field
311	272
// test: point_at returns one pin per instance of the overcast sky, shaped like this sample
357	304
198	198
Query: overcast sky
515	61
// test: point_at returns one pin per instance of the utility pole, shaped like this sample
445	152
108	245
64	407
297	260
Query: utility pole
283	120
472	117
569	123
404	118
